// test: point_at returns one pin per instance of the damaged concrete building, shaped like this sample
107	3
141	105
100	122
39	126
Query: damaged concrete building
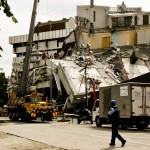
102	46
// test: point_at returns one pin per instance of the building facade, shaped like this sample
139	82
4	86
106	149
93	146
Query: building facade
114	26
48	37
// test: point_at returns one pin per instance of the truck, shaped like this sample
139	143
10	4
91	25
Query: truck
29	107
133	100
26	103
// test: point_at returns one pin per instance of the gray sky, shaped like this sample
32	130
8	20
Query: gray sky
47	10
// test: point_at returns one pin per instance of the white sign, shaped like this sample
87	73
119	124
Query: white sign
32	87
124	91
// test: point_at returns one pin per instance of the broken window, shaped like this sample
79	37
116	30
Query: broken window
122	21
145	19
114	22
128	21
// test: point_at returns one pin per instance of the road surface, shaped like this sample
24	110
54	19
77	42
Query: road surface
68	136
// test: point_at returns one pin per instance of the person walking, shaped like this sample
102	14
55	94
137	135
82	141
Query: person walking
113	116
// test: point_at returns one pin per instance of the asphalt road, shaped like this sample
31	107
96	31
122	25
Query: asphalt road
71	136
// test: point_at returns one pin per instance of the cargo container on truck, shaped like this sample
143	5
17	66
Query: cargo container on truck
133	100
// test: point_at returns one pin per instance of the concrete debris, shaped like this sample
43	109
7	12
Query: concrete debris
103	68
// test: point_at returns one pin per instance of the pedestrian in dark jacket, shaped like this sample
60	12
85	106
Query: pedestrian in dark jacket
113	116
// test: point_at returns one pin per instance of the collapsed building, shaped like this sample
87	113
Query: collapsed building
72	58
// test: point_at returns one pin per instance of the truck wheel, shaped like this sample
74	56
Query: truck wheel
79	120
98	122
123	125
140	127
42	118
15	118
48	118
25	118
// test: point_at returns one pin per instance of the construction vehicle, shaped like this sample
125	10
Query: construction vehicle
26	103
29	107
133	100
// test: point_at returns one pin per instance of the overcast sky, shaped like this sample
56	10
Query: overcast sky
47	10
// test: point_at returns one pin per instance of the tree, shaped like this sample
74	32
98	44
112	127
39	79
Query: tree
3	89
6	9
3	80
1	50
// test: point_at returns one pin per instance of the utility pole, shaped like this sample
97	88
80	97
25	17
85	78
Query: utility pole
86	92
51	81
83	47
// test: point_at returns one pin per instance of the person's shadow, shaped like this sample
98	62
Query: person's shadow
110	148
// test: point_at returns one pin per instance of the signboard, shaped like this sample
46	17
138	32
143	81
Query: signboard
124	91
32	88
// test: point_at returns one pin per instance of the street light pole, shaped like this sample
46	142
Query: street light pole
85	72
86	92
51	90
51	81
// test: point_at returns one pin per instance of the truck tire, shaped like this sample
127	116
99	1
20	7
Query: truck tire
123	125
14	118
98	122
25	117
48	118
78	120
43	117
140	126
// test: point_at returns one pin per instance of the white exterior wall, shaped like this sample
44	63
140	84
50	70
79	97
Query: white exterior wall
143	37
20	50
70	24
101	17
100	14
110	22
52	44
18	59
60	45
140	19
41	41
83	39
133	20
42	46
42	36
83	11
18	39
